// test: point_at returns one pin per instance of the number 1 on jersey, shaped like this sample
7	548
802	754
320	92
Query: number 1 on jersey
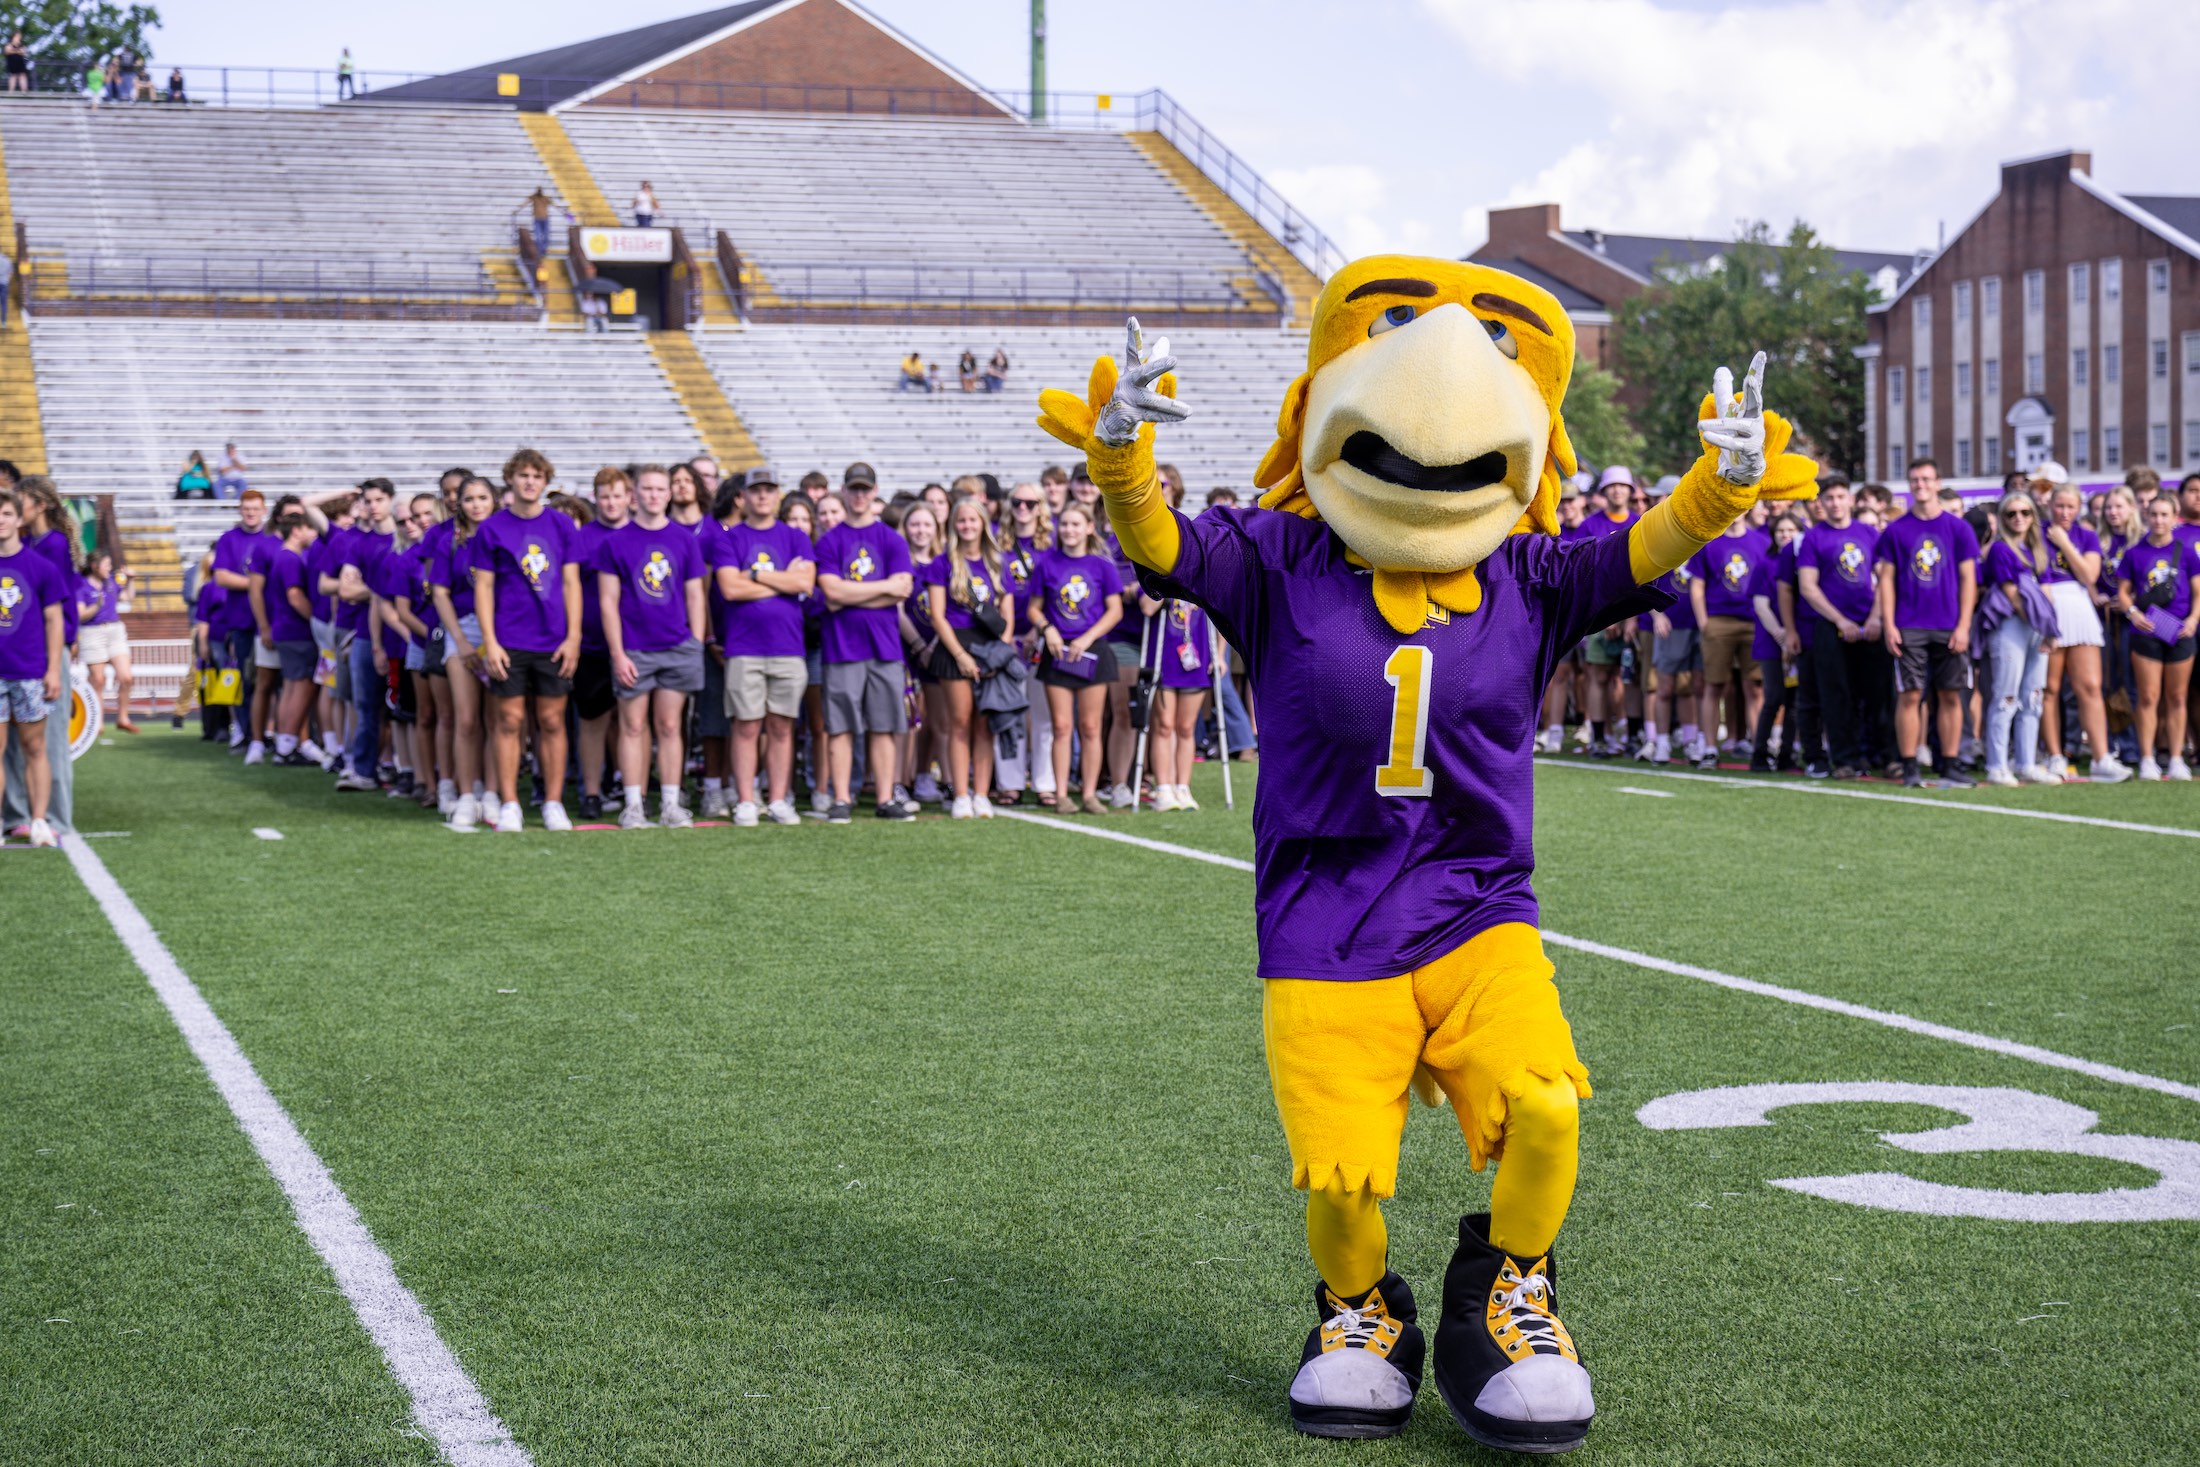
1411	671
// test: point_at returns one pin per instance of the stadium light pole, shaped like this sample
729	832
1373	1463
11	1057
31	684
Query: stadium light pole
1038	60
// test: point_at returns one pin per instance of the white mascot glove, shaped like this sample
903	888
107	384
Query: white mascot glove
1739	432
1135	401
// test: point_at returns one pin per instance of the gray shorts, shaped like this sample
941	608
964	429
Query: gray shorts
756	686
1678	651
672	670
865	697
265	656
300	660
23	700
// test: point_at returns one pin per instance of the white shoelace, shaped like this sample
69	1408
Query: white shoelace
1527	1307
1358	1327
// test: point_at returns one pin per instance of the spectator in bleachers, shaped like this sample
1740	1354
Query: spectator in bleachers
912	374
595	311
117	88
344	71
195	482
175	85
142	85
932	381
538	204
230	482
95	83
996	370
966	368
645	205
18	56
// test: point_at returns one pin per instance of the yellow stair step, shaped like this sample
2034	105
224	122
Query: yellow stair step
1300	285
719	426
568	173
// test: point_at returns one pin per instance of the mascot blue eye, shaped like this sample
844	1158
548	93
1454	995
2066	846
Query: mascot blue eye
1394	317
1502	335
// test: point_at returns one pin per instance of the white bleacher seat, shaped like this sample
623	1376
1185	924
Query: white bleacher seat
319	405
819	397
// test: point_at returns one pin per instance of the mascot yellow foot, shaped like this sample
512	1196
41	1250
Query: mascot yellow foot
1401	599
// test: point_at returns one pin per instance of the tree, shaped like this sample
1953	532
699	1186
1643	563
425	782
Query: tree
68	36
1596	422
1792	301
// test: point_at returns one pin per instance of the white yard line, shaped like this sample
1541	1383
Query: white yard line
446	1402
1841	791
1628	789
2115	1074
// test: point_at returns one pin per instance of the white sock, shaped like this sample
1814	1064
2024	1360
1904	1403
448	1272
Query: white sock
1650	729
669	793
446	789
1556	731
284	743
481	791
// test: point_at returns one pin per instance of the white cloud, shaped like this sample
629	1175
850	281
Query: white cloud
1872	119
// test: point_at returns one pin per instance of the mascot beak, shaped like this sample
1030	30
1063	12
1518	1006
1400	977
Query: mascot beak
1432	422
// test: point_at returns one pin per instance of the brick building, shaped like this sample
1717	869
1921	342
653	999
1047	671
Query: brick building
1591	271
2062	322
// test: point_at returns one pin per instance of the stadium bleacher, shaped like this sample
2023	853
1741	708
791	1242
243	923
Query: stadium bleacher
819	396
318	405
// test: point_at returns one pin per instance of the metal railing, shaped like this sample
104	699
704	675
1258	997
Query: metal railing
801	287
302	284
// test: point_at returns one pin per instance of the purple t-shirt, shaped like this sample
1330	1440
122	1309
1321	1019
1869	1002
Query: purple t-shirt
919	605
28	585
435	542
1399	817
451	566
362	550
245	554
1926	556
286	569
588	550
1764	581
321	561
1021	562
1674	583
98	606
2084	540
653	568
1725	566
2002	563
864	554
1597	526
986	588
397	574
1843	560
1130	631
1805	617
528	558
1074	590
2150	567
1187	649
772	626
206	607
2185	534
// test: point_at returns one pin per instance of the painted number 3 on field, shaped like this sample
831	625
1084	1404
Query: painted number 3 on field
1995	1119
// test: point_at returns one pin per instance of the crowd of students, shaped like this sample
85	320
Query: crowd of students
486	646
2045	637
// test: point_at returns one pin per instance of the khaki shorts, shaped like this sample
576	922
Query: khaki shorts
1726	656
756	686
97	644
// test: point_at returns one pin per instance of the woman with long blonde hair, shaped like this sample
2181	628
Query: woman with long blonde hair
451	586
2073	570
966	592
2021	626
919	746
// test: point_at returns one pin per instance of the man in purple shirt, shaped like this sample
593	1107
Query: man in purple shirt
527	596
1927	568
1834	577
864	571
240	554
1719	598
762	570
1604	651
357	564
648	577
284	614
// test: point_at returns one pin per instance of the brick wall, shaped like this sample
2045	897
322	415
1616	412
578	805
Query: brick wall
817	57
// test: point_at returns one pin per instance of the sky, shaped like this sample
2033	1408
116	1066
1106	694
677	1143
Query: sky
1397	124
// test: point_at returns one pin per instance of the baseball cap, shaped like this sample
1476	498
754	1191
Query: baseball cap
1616	474
1569	490
1665	486
858	474
759	476
2051	472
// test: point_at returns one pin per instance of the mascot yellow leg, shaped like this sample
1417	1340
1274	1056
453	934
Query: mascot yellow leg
1483	1023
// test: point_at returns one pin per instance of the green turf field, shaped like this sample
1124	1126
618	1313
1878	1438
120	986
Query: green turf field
952	1142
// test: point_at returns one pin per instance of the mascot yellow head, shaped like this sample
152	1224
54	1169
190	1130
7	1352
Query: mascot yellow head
1426	426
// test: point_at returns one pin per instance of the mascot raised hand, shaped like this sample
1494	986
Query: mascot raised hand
1400	596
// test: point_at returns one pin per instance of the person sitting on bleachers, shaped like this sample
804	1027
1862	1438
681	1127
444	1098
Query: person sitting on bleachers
195	482
912	374
231	483
996	370
175	85
966	367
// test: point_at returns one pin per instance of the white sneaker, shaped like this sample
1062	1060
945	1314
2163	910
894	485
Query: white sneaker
1164	799
744	814
716	806
2056	765
1663	752
673	815
2003	778
2039	774
508	819
2148	769
312	751
2178	770
554	817
2108	769
255	753
634	817
465	812
1552	740
42	834
782	812
1121	797
821	801
981	807
1184	800
446	797
928	791
960	810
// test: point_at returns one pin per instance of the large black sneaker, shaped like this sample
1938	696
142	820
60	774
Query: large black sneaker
1362	1363
1505	1366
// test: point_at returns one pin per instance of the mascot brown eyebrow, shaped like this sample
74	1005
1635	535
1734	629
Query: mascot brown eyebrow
1400	598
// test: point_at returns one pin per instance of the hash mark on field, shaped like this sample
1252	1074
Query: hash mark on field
264	833
1628	789
445	1399
2115	1074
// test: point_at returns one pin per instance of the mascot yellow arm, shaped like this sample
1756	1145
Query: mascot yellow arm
1138	511
1703	504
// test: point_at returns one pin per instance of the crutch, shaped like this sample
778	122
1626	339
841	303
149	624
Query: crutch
1141	699
1218	653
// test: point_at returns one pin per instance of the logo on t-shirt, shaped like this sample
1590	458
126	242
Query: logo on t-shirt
1073	595
656	574
861	567
1682	575
762	560
11	596
1850	562
533	564
2161	573
1180	616
1736	571
1925	561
